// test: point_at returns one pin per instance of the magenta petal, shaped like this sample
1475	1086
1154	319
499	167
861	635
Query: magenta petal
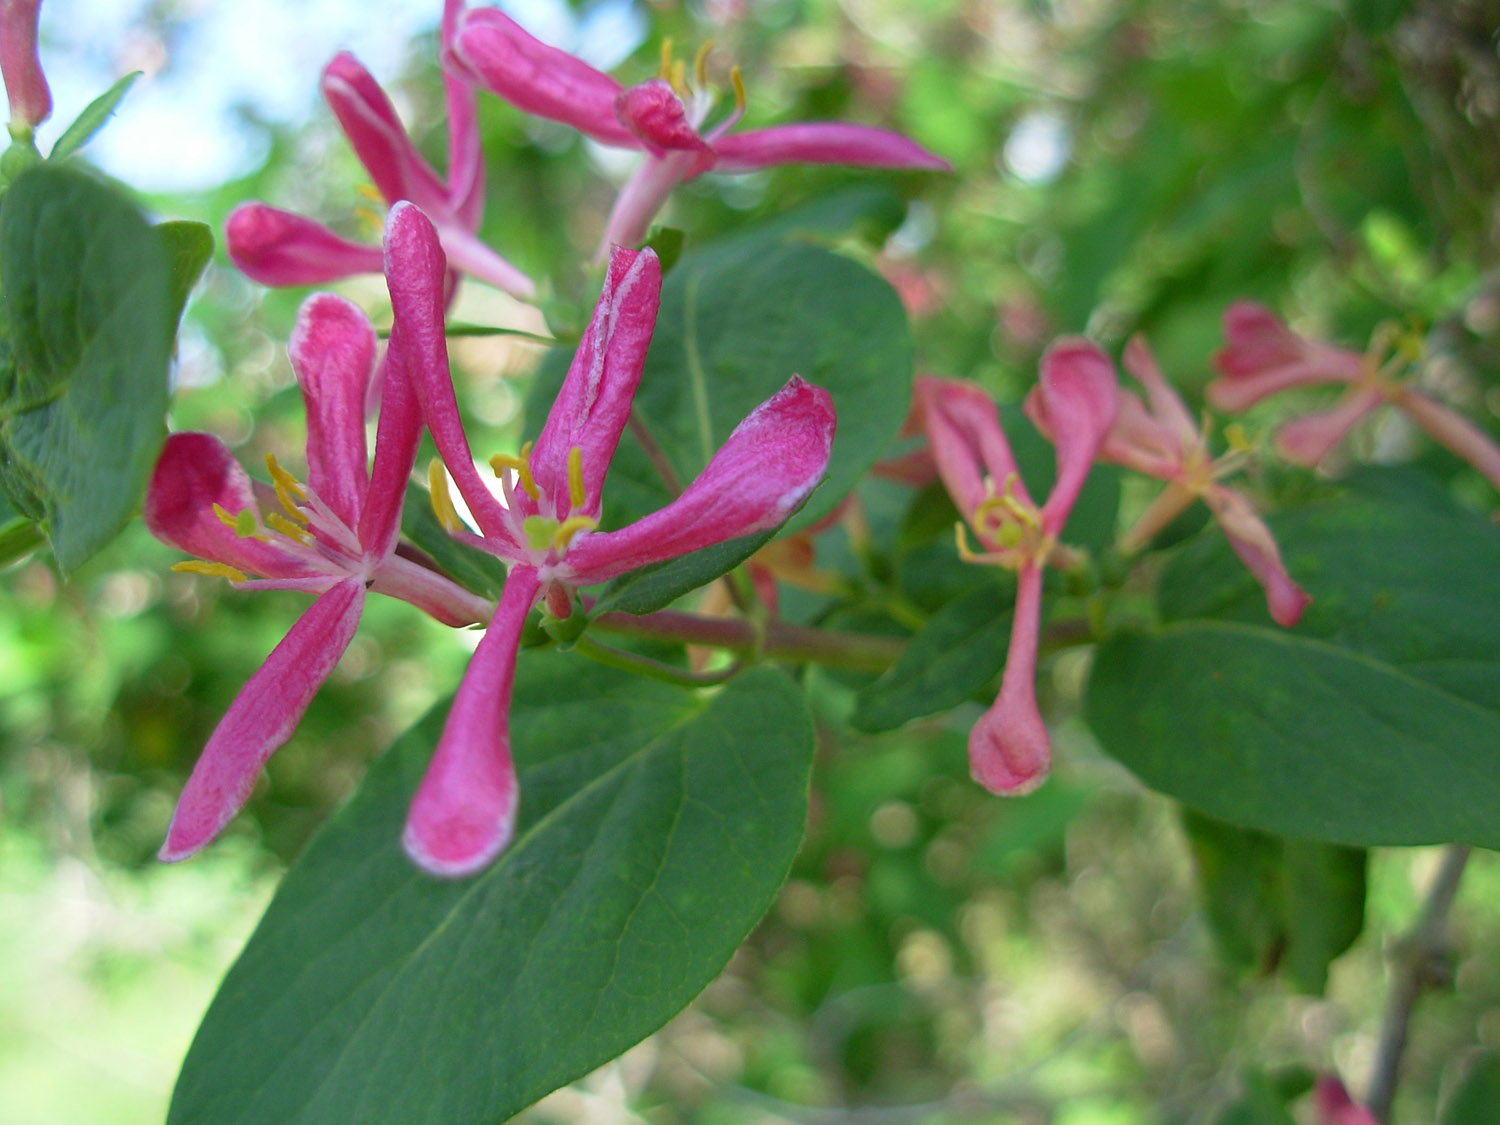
1137	440
1255	340
415	272
1454	431
656	115
25	84
1252	542
498	54
1332	1105
1166	405
276	247
195	472
465	809
592	407
1310	438
378	137
963	431
261	718
1010	752
396	440
822	142
465	160
332	352
771	461
1078	391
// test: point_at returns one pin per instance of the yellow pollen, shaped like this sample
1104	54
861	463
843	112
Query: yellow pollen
522	466
576	495
441	498
212	569
739	89
242	523
569	528
278	522
664	68
679	78
288	488
700	64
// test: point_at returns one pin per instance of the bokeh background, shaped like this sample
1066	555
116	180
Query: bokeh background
938	955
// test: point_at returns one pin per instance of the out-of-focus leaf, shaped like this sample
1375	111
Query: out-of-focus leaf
1258	1103
1475	1099
189	246
92	119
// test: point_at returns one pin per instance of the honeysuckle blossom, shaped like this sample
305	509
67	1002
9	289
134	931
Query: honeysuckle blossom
334	536
21	66
1009	750
1159	438
1263	356
666	118
545	523
277	247
1332	1105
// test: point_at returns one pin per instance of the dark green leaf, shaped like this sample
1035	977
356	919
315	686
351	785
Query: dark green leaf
189	246
1258	1103
86	293
955	654
475	571
1267	729
18	536
659	585
92	119
1475	1098
655	828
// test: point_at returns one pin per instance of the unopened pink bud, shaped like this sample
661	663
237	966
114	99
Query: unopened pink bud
25	84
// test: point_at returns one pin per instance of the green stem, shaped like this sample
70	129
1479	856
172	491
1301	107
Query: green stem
635	662
778	640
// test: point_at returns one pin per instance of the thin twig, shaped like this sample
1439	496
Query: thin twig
1418	960
654	453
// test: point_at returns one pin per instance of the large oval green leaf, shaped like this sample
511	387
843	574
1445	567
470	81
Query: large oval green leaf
655	829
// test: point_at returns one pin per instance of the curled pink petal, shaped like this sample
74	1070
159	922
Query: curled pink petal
1453	431
464	812
1310	438
1262	356
1010	752
378	137
332	352
276	247
963	431
1333	1105
1137	440
1166	405
823	142
1077	390
593	405
465	160
657	117
1252	542
20	65
194	473
396	440
499	55
768	465
262	718
1255	340
415	274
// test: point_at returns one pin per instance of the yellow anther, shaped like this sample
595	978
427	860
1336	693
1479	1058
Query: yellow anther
288	488
212	569
576	495
664	69
700	64
739	89
242	523
679	78
569	528
278	522
441	498
520	464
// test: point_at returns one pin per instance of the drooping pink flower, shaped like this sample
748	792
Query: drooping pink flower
1263	356
545	526
1332	1105
334	536
21	66
1159	438
277	247
1009	749
664	117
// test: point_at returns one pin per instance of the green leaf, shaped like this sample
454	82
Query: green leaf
18	536
733	328
474	570
92	119
1268	729
659	585
1258	1103
655	828
86	294
1474	1099
959	651
189	246
1280	904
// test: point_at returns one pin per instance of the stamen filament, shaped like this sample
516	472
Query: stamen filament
576	494
211	569
521	466
441	498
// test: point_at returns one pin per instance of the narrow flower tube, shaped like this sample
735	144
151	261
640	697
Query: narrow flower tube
1010	752
21	66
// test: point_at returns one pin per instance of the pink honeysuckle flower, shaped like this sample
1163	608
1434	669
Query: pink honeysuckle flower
276	247
1009	749
21	66
664	117
544	526
1159	438
1332	1105
1263	356
334	535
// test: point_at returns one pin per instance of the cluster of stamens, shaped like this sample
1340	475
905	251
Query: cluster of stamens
540	533
699	95
1010	527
